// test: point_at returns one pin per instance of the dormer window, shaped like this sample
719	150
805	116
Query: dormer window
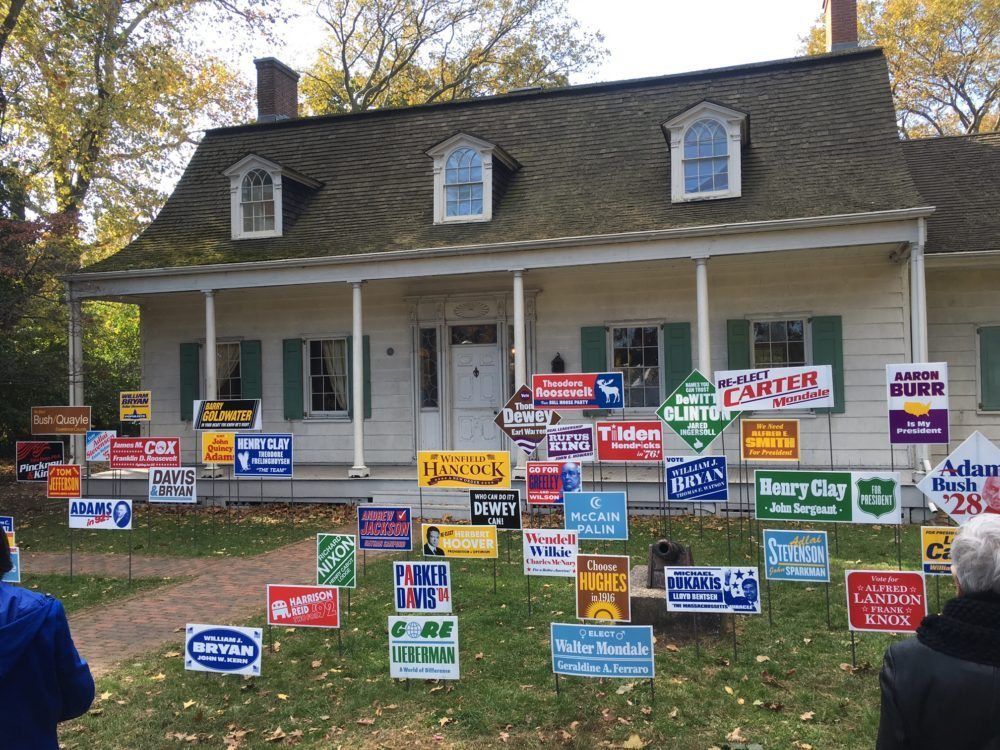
256	187
706	152
463	183
469	174
257	202
706	158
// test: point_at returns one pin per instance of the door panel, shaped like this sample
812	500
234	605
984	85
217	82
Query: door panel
476	397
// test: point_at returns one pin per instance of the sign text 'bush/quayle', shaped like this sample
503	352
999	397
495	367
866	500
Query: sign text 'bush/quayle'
696	589
828	496
263	456
423	648
602	650
220	648
582	390
384	528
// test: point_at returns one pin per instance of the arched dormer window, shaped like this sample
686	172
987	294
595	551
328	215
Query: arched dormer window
257	202
706	147
469	175
463	183
706	157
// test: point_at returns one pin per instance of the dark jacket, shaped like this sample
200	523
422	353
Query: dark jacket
43	680
942	688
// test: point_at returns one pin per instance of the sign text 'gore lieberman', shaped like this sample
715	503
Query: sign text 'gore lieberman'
459	469
177	485
602	588
728	589
500	508
624	651
796	555
702	479
935	549
633	440
422	586
522	422
264	455
828	496
63	481
135	406
584	390
34	458
550	552
239	414
60	420
423	648
113	515
384	528
145	453
769	440
918	403
692	413
99	444
224	649
597	515
775	388
967	483
886	601
571	442
303	606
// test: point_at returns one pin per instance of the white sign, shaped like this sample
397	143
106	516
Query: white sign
173	485
967	483
221	648
111	515
550	552
99	444
423	648
775	388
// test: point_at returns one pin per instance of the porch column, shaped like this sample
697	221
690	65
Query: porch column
520	362
918	320
358	469
211	378
701	293
76	442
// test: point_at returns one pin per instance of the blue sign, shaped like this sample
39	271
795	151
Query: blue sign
14	574
597	515
602	650
734	590
697	479
219	648
7	524
422	586
263	456
796	556
384	528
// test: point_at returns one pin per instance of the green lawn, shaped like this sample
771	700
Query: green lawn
86	591
789	687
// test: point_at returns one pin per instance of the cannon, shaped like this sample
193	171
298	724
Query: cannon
665	553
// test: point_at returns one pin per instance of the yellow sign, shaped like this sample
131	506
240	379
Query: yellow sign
218	447
10	539
452	540
935	546
450	469
769	440
135	406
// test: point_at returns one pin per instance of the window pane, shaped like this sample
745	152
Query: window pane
328	375
428	368
779	343
636	353
473	334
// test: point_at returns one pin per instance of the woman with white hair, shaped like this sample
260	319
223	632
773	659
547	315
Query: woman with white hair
942	688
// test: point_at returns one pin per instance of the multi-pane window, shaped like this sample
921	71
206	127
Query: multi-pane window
428	368
229	382
257	202
779	343
706	158
636	352
327	376
463	183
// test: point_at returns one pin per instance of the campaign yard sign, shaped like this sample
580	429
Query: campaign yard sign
60	420
457	540
423	648
966	483
701	479
7	527
422	586
145	453
384	528
109	515
99	445
135	406
218	448
828	496
885	601
34	457
791	555
633	440
624	651
63	481
918	403
303	606
571	442
550	552
582	390
770	440
692	413
14	574
500	508
336	560
173	485
935	549
735	590
602	588
224	649
546	481
263	456
238	414
597	515
775	388
462	469
522	422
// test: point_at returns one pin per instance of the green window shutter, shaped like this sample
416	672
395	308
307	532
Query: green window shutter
593	349
828	349
190	383
989	367
677	354
250	369
366	375
738	344
291	368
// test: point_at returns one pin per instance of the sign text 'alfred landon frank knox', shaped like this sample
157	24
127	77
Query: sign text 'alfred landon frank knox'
624	651
423	648
582	390
597	515
775	388
885	601
60	420
633	440
240	414
602	588
34	458
692	413
918	403
303	606
222	648
727	589
791	555
966	483
422	586
522	422
112	515
384	528
550	552
828	496
462	469
500	508
259	455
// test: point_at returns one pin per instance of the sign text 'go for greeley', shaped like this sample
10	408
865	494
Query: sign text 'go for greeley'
886	601
582	390
796	556
173	485
630	441
522	422
111	515
222	648
239	414
728	589
828	496
624	651
775	388
550	552
145	453
264	456
702	479
461	469
597	515
546	481
422	586
918	403
423	648
291	605
692	413
967	483
571	442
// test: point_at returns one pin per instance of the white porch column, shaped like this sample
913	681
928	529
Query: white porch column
211	362
358	469
76	372
918	320
520	353
701	292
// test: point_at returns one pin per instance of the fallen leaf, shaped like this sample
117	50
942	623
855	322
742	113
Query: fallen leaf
479	656
365	722
504	736
761	658
673	714
807	715
188	704
634	741
159	677
171	654
672	647
729	690
736	736
807	641
105	696
628	687
445	721
276	735
316	663
282	697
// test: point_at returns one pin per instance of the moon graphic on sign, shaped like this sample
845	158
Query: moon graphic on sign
595	502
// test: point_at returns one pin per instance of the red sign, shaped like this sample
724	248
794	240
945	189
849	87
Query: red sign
145	453
35	457
885	601
64	481
630	441
547	480
303	606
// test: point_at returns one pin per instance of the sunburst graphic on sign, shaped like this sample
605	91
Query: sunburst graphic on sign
603	611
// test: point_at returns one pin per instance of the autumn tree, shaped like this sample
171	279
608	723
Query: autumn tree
383	53
944	61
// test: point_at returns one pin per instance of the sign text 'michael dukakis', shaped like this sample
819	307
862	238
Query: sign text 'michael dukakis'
775	388
460	469
713	589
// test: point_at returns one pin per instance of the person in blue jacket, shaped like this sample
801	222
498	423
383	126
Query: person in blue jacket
43	680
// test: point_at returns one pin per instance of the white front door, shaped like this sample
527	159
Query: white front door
476	397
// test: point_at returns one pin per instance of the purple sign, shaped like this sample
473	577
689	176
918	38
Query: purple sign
918	403
571	441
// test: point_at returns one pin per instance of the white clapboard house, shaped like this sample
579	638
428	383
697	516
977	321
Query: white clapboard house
384	280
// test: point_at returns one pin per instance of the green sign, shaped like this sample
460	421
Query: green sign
827	496
691	412
335	560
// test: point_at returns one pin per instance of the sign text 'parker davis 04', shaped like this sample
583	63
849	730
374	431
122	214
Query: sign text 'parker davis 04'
223	649
34	457
145	453
264	456
769	440
735	590
692	413
918	403
179	485
382	528
522	422
828	496
423	648
885	601
111	515
135	406
239	414
463	469
500	508
422	586
60	420
597	515
638	441
967	483
459	540
550	552
775	388
623	651
63	481
582	390
291	605
602	588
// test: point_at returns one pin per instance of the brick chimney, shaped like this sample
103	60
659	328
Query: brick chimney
841	24
277	90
